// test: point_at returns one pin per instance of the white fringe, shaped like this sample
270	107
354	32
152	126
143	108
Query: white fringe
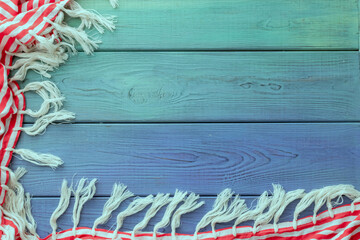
61	208
277	200
178	197
72	35
219	208
134	207
17	206
289	198
262	203
43	55
40	159
321	196
236	207
160	201
82	195
114	3
190	204
49	92
118	195
226	207
40	124
90	18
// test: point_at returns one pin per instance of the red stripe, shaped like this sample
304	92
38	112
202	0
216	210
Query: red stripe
7	8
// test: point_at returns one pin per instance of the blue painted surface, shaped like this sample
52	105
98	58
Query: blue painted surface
197	87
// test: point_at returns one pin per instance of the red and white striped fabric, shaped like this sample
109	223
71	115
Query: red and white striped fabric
17	18
20	20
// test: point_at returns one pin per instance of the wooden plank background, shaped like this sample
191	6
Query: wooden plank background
231	24
210	86
201	95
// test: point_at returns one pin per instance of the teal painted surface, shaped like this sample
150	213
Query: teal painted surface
210	86
231	24
117	85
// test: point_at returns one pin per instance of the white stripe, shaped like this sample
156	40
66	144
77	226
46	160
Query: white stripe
5	13
11	4
30	21
42	24
35	4
3	43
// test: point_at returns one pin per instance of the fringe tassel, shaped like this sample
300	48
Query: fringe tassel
277	199
118	195
289	198
262	203
178	197
134	207
61	208
190	204
225	209
90	18
40	159
41	124
17	206
82	195
321	196
72	35
236	207
48	52
114	3
49	92
160	201
219	208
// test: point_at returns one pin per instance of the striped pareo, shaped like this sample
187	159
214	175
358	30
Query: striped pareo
35	33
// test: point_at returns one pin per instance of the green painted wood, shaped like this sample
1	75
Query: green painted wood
42	209
231	24
204	158
209	86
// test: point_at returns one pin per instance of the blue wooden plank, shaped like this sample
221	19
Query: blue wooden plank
210	86
204	158
231	24
43	207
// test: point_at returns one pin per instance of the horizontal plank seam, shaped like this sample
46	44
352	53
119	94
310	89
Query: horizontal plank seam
227	50
214	122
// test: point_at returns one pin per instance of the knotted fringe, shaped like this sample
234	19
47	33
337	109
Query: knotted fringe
17	206
134	207
44	54
178	198
61	208
160	200
40	159
226	208
118	195
190	204
50	94
219	208
82	195
52	99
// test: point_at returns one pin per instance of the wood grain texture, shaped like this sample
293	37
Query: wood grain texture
43	208
204	158
231	24
210	86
